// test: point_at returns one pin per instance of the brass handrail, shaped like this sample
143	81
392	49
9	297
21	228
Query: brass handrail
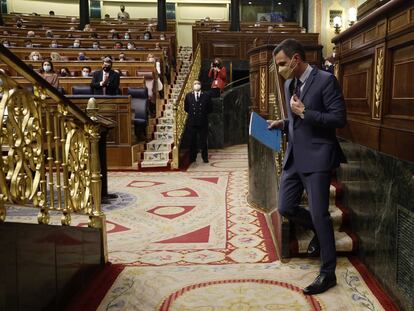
180	116
49	153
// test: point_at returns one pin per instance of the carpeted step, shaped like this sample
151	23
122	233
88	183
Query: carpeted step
160	145
154	164
345	240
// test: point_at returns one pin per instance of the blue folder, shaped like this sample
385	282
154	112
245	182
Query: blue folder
258	130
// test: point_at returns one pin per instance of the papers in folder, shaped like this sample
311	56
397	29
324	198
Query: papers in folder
258	130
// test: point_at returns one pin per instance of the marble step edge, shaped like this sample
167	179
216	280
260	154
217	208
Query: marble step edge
153	164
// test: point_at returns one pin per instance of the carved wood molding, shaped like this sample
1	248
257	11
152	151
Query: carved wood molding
378	82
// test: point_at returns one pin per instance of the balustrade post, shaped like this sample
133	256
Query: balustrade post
97	218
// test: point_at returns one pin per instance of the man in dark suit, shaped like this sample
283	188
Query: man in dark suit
198	105
315	107
105	81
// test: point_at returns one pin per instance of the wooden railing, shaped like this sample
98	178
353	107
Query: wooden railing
49	153
180	116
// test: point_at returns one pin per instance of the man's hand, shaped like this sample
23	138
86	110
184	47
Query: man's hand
278	124
297	106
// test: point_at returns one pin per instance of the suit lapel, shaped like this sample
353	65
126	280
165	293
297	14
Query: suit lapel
308	83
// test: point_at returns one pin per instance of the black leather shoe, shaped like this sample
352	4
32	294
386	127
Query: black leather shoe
314	247
322	283
205	160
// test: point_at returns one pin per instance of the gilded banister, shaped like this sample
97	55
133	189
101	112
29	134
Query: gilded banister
49	153
180	116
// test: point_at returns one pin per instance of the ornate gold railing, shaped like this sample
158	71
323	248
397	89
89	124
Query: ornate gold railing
179	113
49	153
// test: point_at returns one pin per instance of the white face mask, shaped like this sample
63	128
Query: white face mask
130	47
151	59
126	37
162	38
54	45
35	57
47	68
85	74
333	54
95	46
197	87
76	45
146	37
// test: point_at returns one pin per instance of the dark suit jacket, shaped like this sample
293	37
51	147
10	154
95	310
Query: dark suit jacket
312	140
112	87
197	111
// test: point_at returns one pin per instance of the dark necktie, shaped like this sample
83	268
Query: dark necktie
297	88
197	97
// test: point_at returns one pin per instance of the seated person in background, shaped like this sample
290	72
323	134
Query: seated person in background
270	29
122	57
115	35
127	36
105	81
53	44
28	43
219	74
162	36
35	55
19	23
87	27
157	46
96	45
47	72
118	45
55	56
30	34
51	13
73	20
123	14
147	35
49	33
94	35
72	28
64	72
131	46
86	72
6	43
6	33
215	29
107	16
82	56
150	28
76	44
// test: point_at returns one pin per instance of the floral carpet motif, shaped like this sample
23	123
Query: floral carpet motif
271	286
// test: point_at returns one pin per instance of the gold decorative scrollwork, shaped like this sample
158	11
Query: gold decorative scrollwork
263	87
379	79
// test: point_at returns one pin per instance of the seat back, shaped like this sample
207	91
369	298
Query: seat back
81	90
139	103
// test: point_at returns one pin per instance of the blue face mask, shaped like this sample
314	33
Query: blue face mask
82	57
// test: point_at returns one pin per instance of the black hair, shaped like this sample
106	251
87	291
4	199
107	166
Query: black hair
87	67
51	13
149	34
290	47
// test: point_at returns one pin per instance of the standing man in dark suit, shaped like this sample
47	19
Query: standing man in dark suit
198	105
315	107
105	81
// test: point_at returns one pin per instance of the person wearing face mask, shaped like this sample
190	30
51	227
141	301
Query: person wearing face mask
127	36
123	14
54	44
147	35
198	105
86	72
131	46
219	74
35	55
6	43
162	37
95	45
28	44
105	81
64	72
76	44
160	86
82	56
315	107
47	72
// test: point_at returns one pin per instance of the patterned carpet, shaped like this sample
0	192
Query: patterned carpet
189	241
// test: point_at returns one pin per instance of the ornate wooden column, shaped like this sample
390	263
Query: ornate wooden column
162	15
235	15
83	13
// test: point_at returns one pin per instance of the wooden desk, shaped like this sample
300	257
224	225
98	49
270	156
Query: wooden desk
234	45
119	140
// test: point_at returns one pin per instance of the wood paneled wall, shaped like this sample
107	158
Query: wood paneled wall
375	69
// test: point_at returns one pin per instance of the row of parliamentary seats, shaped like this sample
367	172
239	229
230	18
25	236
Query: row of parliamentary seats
74	61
